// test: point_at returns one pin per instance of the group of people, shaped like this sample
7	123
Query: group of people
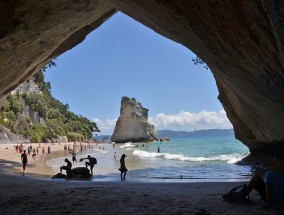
92	161
30	150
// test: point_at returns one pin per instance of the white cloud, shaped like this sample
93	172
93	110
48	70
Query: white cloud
189	121
109	124
183	121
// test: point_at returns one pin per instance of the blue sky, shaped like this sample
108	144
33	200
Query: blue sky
124	58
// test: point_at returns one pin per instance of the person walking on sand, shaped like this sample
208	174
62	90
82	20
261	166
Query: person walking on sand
24	159
122	168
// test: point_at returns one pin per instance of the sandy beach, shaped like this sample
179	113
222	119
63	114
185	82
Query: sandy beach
35	193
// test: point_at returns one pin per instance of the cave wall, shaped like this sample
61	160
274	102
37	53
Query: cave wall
33	32
241	42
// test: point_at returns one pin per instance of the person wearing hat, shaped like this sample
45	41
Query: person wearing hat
91	163
67	167
122	168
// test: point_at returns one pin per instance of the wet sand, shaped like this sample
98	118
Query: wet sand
30	195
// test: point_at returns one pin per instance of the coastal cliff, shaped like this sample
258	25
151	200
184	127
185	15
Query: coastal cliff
132	124
32	114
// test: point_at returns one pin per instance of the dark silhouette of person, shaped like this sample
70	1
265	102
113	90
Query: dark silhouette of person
122	168
67	167
91	163
74	157
271	189
24	159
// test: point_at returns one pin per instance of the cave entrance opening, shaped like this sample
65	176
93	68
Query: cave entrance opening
124	58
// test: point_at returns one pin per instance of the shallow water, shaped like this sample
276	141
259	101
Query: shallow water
179	160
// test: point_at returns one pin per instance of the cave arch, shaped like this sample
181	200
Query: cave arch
241	42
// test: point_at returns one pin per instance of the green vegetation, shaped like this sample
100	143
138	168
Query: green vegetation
197	60
57	119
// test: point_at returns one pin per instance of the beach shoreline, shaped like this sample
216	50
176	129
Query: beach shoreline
31	195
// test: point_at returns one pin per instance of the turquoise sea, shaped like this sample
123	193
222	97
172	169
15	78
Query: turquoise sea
202	158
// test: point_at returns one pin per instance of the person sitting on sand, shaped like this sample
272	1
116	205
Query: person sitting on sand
24	159
271	189
122	168
91	163
67	167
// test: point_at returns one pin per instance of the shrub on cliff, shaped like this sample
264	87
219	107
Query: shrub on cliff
58	119
74	136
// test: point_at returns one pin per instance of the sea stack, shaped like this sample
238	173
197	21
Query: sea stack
132	124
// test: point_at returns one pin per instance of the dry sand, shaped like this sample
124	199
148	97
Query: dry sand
30	195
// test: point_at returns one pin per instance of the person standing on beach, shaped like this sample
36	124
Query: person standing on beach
34	154
74	157
91	163
24	159
122	168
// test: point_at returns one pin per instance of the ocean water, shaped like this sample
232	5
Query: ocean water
205	158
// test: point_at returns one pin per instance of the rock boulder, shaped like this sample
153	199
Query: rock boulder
132	124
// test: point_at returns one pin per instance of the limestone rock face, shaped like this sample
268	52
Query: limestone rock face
242	42
6	136
133	125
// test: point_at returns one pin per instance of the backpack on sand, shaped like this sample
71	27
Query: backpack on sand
237	194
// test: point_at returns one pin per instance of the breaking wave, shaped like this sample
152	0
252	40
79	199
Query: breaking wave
230	158
127	145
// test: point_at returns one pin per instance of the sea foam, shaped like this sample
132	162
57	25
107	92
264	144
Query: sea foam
230	158
127	145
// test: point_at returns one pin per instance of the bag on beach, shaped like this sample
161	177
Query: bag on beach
237	194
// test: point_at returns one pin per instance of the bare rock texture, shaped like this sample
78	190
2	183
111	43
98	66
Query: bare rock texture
241	42
132	124
8	137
